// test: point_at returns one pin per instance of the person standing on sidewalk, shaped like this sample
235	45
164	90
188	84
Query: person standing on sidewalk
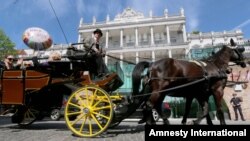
236	103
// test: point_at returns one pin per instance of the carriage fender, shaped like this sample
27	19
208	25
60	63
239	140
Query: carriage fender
72	87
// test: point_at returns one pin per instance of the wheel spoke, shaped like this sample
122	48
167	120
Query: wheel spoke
102	108
98	123
87	96
73	113
80	100
72	104
90	127
83	123
29	116
76	120
100	100
31	113
93	97
98	114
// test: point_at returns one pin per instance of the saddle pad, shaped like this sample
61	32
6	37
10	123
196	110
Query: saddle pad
199	63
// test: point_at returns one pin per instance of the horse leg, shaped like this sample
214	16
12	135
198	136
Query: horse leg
148	114
159	109
146	109
204	105
144	112
218	100
209	121
150	104
187	109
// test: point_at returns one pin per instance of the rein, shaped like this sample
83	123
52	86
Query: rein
174	88
172	78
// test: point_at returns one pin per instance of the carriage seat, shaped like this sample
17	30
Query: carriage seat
110	82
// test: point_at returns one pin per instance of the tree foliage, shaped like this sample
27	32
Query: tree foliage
195	32
6	45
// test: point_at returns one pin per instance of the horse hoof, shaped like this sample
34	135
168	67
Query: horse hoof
190	123
166	123
150	123
141	121
210	123
183	122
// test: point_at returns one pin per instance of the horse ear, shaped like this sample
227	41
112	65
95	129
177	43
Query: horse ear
232	42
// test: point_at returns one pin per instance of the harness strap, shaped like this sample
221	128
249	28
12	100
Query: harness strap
205	73
174	88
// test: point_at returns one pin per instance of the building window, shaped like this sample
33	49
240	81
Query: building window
173	40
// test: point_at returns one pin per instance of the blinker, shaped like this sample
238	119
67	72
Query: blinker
241	49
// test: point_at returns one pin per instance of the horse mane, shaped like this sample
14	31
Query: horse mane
136	76
220	56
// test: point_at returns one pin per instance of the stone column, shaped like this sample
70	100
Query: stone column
169	53
187	52
168	34
121	62
136	36
184	33
121	38
106	59
153	56
107	39
152	35
137	57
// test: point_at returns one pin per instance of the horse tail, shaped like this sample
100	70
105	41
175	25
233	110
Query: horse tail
136	76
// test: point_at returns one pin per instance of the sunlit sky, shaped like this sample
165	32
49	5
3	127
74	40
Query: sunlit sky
202	15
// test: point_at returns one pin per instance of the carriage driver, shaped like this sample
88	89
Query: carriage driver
96	52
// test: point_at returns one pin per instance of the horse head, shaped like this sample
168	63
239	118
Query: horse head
238	56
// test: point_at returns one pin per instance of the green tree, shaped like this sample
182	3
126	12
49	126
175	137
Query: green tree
195	32
6	45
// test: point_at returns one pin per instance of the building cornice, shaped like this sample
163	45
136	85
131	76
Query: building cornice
148	22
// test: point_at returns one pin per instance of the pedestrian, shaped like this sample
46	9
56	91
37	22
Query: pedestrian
236	103
95	52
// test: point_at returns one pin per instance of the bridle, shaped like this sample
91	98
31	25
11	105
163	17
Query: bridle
240	60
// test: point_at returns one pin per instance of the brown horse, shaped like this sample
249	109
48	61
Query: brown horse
180	78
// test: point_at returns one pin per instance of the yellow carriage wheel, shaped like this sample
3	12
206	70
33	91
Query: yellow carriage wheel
89	111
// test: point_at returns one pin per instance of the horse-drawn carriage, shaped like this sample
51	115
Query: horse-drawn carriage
92	105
